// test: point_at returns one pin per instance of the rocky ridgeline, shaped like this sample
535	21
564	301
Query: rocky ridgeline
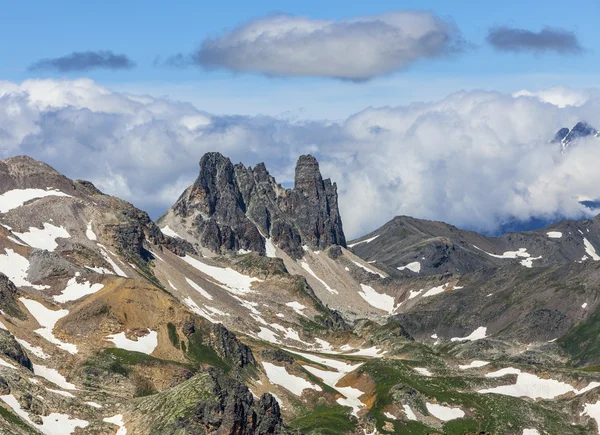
232	207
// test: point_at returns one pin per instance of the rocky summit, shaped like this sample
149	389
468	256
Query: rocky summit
243	311
231	208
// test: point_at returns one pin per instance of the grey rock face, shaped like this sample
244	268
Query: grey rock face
10	348
232	207
229	347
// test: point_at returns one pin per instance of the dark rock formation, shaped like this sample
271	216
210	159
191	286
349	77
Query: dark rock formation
211	403
231	207
8	302
10	348
229	347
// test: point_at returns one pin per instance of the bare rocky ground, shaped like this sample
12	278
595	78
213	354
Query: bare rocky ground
243	311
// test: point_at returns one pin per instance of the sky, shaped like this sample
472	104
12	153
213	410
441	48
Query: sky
410	106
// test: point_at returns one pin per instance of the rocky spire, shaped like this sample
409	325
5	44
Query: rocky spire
232	207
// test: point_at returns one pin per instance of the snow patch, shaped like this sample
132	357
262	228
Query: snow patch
415	267
199	289
473	365
89	232
270	248
409	412
44	238
36	350
521	253
115	267
368	269
590	250
47	318
15	267
478	334
444	413
53	376
145	344
363	241
297	307
17	197
532	386
422	371
118	421
226	278
279	376
378	300
169	232
554	234
76	290
306	267
196	309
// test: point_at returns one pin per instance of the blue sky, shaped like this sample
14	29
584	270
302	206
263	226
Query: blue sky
144	30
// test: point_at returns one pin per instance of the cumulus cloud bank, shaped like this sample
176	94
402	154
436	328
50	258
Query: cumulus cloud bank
356	49
84	61
546	40
474	159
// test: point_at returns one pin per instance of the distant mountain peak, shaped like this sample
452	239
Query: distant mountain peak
566	137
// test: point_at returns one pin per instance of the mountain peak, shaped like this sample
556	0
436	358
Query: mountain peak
566	137
232	208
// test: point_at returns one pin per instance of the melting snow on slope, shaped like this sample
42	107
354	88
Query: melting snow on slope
75	290
199	289
554	234
368	269
230	279
145	344
473	365
297	307
409	412
435	290
532	386
89	232
279	376
53	376
444	413
422	371
592	410
115	267
530	432
44	238
15	267
521	253
331	378
478	334
47	318
270	248
364	241
52	424
415	267
590	250
36	350
118	421
378	300
306	267
374	352
169	232
17	197
196	309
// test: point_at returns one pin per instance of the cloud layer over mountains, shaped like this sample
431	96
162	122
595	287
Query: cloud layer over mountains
474	159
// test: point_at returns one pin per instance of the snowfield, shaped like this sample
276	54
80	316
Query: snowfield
473	365
169	232
590	250
532	386
53	376
44	238
554	234
521	253
15	267
378	300
117	420
52	424
227	278
415	267
47	318
478	334
199	289
76	290
368	269
306	267
17	197
145	344
279	376
363	241
444	413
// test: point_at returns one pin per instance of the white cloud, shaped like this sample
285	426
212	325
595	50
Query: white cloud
560	96
474	159
355	49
